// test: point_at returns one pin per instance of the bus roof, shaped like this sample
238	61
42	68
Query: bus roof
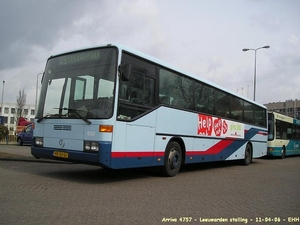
286	118
164	64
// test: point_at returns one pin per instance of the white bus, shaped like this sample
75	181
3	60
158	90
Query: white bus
284	135
118	108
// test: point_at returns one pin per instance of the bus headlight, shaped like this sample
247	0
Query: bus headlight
91	146
38	141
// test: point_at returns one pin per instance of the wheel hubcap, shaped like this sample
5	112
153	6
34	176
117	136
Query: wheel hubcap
174	159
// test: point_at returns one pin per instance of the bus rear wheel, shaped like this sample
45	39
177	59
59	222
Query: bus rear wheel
248	155
173	159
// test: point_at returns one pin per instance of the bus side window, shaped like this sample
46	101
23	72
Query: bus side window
134	97
248	112
284	135
259	116
148	92
289	133
124	95
136	94
164	100
222	105
237	108
204	98
278	135
298	132
179	87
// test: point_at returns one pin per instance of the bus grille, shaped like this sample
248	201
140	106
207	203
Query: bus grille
63	127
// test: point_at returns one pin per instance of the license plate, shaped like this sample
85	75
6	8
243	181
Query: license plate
61	154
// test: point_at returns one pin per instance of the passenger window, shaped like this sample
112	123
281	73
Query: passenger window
237	108
136	95
204	98
248	112
259	116
176	90
222	104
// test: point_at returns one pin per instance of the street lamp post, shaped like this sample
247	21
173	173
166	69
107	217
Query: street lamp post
247	49
2	99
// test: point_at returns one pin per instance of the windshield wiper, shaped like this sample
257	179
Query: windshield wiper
77	113
69	110
47	116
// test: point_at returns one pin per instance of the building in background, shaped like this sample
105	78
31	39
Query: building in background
290	108
9	114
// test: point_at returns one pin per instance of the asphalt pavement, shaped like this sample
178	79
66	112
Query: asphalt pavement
19	153
36	191
21	150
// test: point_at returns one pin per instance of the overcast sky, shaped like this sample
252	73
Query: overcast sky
204	37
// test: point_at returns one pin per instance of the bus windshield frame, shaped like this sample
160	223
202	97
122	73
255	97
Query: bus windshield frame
79	85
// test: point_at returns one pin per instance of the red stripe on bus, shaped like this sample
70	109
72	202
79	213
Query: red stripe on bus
263	133
136	154
216	149
259	132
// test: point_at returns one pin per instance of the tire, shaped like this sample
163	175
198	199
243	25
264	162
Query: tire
282	153
20	142
248	155
173	159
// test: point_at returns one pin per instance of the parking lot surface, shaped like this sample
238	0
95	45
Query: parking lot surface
51	192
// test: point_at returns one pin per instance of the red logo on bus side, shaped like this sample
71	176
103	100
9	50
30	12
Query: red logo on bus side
205	125
218	126
208	124
225	127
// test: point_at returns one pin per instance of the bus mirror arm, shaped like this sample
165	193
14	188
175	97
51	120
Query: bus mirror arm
125	71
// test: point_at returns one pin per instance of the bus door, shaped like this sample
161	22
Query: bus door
135	109
139	144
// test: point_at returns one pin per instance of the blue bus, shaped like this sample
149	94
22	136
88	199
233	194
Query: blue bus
283	135
116	107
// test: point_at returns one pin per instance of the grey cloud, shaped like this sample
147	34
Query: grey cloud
25	24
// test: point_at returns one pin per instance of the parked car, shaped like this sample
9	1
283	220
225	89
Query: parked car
26	135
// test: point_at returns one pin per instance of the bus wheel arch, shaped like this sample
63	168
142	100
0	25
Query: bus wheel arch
248	154
174	157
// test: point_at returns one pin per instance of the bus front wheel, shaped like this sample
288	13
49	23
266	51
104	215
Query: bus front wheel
173	159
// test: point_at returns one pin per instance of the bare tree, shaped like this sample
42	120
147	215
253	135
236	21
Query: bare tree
21	102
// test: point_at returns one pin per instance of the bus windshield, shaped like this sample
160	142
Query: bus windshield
79	85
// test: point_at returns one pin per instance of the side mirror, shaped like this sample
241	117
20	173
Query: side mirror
125	71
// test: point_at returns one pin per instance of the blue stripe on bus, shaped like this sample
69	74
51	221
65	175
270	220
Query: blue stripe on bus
105	159
197	156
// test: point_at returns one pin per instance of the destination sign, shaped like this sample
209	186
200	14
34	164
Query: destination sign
79	57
